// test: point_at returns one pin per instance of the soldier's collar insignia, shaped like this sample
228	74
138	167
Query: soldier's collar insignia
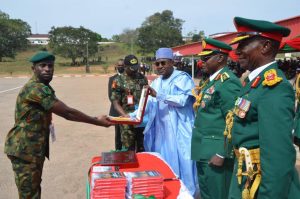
271	78
255	82
218	77
224	77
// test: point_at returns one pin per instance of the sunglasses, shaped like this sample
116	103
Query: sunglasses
162	63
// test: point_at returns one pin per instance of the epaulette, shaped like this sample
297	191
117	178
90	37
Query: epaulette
224	77
271	78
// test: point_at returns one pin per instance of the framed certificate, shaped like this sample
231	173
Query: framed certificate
140	111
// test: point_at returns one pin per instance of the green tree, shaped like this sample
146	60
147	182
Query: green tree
73	43
160	30
13	35
198	37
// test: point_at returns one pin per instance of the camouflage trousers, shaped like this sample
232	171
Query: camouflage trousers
132	138
28	177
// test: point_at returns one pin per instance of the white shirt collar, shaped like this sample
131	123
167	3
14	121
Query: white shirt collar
256	72
213	76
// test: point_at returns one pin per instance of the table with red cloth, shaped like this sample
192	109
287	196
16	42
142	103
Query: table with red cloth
173	187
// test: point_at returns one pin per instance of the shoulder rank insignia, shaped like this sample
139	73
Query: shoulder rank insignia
224	77
271	78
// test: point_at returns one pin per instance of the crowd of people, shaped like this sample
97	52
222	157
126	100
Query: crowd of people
225	138
289	66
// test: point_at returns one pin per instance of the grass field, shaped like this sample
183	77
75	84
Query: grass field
109	55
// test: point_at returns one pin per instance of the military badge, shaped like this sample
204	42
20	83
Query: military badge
271	78
203	104
133	61
208	97
210	90
241	107
114	84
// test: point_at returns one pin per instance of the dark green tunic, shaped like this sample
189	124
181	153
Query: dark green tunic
208	139
268	125
297	126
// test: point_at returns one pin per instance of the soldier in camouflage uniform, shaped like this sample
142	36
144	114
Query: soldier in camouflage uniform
126	92
27	143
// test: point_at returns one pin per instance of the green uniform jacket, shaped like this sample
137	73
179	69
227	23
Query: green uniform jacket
29	138
297	126
218	97
124	85
268	125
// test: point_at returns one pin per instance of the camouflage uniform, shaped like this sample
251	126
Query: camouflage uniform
27	143
132	138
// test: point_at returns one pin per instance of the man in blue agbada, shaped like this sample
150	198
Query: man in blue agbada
171	118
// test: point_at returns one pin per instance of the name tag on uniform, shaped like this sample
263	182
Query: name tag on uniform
130	99
242	107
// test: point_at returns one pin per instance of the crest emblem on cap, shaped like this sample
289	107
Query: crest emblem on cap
133	61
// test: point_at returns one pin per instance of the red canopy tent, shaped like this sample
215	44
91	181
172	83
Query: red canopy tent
292	45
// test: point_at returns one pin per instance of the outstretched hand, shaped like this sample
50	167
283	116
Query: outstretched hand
152	92
216	161
103	121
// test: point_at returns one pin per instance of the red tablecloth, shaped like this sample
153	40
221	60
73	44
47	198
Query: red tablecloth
147	161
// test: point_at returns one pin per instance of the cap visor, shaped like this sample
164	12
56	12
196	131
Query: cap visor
203	53
238	39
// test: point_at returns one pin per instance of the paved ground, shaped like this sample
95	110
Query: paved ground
65	175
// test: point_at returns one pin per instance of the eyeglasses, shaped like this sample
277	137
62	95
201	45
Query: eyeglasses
162	63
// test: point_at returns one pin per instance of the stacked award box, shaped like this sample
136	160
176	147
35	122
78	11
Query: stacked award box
107	184
146	183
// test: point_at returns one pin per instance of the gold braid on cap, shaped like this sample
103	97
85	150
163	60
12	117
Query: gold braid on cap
197	93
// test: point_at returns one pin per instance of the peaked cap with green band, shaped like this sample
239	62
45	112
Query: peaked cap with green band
210	45
250	27
42	56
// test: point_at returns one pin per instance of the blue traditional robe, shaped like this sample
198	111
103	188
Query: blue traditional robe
170	122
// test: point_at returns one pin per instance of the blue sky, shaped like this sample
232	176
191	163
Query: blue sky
110	17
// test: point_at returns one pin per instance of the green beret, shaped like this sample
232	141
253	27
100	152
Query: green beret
250	27
210	45
42	56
